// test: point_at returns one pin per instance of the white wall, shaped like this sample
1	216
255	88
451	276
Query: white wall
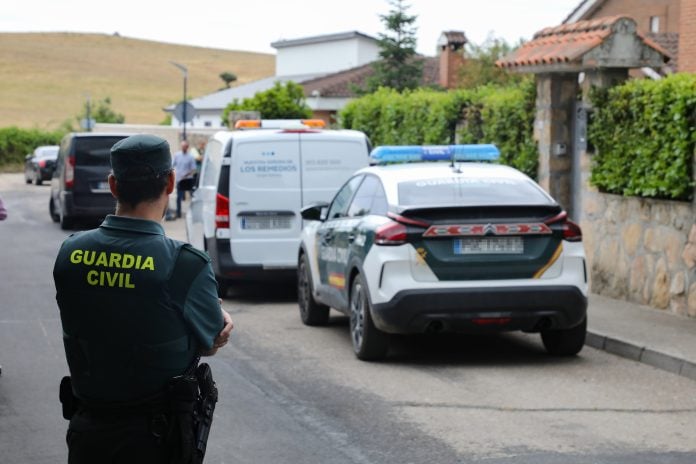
324	57
210	119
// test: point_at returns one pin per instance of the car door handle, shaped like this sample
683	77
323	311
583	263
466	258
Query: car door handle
351	238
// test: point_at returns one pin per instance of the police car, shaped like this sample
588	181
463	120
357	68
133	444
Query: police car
432	239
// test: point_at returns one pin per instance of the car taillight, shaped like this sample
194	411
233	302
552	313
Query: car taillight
70	172
571	231
391	233
222	212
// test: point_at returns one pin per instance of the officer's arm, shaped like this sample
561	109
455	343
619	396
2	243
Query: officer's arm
203	314
224	335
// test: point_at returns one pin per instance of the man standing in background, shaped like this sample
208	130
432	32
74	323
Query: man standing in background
184	165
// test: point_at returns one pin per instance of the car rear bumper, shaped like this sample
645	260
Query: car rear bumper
481	309
226	268
87	206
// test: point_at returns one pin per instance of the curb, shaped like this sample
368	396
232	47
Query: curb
642	354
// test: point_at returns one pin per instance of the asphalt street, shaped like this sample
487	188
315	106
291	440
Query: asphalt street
294	394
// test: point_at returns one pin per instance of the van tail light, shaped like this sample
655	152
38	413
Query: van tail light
571	231
70	172
222	212
391	233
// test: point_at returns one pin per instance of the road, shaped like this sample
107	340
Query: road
295	394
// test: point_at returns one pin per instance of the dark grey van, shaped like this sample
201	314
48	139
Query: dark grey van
79	187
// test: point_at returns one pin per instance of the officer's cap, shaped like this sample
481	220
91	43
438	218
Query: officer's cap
142	150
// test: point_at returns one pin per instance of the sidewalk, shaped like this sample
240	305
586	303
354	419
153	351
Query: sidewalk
643	334
636	332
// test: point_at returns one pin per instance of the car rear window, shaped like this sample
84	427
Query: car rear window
94	151
463	191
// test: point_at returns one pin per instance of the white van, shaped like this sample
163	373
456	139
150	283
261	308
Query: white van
245	211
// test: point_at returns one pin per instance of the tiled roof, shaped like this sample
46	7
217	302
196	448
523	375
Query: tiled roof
343	83
567	43
670	42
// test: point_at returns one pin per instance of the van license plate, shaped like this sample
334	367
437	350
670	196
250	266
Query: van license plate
489	246
266	222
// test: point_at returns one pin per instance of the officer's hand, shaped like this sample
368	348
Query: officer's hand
224	335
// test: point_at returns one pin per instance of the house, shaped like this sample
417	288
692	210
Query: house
297	60
330	68
669	23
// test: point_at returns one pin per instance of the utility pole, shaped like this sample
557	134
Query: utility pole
184	71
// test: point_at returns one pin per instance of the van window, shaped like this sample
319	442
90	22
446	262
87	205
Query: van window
94	151
211	164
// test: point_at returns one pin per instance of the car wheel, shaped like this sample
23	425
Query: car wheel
311	312
565	342
52	211
369	343
65	222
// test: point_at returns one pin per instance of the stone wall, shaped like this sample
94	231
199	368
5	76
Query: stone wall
641	250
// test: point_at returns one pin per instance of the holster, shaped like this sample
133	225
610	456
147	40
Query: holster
68	400
192	404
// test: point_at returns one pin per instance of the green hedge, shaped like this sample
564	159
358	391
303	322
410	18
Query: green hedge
505	117
16	143
644	134
500	115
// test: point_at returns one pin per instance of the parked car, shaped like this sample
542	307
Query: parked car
39	165
79	187
454	246
245	211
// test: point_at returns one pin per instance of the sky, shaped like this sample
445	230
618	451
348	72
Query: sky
252	25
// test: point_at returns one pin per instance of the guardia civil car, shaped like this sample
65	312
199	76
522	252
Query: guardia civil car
433	239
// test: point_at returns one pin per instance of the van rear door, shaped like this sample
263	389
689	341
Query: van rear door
265	200
92	168
328	160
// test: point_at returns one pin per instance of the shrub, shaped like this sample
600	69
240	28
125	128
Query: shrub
500	115
644	134
16	143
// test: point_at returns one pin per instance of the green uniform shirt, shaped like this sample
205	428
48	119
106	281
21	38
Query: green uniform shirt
127	327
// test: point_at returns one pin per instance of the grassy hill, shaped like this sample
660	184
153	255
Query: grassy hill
45	77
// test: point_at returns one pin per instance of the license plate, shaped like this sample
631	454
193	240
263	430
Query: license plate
489	246
102	186
266	222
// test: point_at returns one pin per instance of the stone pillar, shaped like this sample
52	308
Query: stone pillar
556	95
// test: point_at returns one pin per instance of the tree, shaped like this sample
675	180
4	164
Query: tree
399	67
101	112
228	78
480	69
282	101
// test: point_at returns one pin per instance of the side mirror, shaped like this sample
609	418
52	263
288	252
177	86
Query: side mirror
315	212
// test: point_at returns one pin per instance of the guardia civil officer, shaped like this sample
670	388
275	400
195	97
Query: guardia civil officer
137	309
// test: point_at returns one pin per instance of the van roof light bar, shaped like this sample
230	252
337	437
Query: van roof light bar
416	153
280	124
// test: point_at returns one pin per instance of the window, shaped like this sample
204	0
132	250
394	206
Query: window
207	123
655	24
362	202
339	206
211	165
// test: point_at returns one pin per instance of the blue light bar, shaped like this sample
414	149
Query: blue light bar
415	153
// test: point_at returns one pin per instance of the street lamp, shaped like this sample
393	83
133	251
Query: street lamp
184	71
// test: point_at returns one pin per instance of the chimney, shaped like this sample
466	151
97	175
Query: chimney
451	48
